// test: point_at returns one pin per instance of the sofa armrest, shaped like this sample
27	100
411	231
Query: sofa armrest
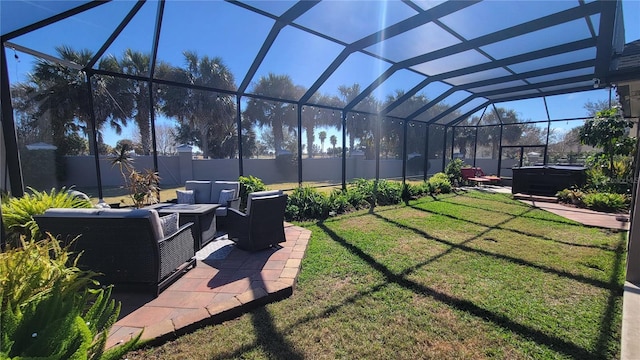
176	249
234	204
237	224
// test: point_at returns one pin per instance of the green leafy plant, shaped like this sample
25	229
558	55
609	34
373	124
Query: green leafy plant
307	203
389	192
602	179
17	213
249	184
50	309
339	202
382	192
608	202
143	187
439	183
571	196
453	170
356	197
610	132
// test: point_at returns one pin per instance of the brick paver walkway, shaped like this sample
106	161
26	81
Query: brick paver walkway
584	216
214	291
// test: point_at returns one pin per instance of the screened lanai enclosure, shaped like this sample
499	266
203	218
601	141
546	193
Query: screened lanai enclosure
308	92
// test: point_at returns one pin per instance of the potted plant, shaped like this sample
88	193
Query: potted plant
143	187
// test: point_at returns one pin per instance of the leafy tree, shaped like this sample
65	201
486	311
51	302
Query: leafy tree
593	107
416	134
490	135
465	137
280	116
76	145
289	142
128	145
610	132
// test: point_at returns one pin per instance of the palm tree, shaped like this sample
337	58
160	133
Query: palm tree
323	136
277	115
209	115
138	63
333	140
360	126
58	94
312	118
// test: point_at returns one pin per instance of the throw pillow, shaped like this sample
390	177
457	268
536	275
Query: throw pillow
226	196
186	196
169	224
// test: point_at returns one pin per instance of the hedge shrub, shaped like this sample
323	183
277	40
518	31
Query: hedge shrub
439	183
608	202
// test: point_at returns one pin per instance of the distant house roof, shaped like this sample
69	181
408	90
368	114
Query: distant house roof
41	146
630	56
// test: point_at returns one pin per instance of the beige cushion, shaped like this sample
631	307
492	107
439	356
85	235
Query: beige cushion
202	190
68	212
151	214
169	224
220	185
226	195
186	196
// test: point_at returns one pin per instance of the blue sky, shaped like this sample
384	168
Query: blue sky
237	36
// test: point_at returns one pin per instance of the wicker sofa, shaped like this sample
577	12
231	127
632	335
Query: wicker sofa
209	192
127	246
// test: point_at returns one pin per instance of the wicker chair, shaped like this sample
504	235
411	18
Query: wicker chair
126	250
262	226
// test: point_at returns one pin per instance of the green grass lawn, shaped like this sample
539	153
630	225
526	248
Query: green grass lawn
463	276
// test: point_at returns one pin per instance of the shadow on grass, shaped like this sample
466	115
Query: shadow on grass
608	324
461	246
519	232
520	205
269	339
540	337
558	344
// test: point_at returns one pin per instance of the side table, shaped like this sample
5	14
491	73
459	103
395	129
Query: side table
203	217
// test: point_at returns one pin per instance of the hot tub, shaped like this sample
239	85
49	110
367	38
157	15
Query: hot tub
547	180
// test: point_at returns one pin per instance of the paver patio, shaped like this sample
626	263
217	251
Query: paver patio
218	289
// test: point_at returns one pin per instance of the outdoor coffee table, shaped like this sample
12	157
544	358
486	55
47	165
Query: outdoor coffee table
203	217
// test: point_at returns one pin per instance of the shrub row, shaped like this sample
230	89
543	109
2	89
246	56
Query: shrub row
306	203
599	201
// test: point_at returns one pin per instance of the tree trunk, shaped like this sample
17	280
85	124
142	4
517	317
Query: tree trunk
278	136
204	143
310	142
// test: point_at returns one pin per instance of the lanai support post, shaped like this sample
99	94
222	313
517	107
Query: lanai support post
300	146
9	131
94	135
239	125
344	150
546	145
404	152
444	148
426	153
